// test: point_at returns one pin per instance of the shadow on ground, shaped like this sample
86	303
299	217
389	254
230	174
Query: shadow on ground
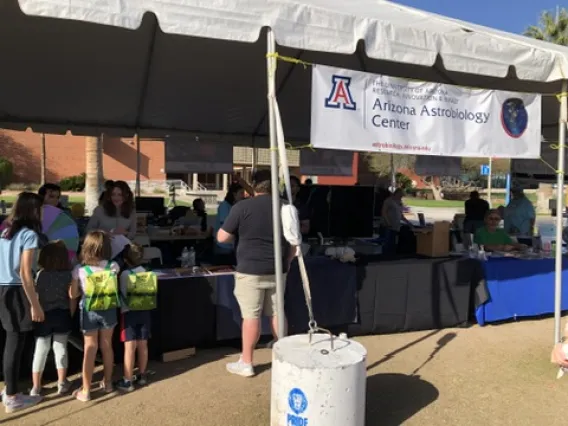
394	398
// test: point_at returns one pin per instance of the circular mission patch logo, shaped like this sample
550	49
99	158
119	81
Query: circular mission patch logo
514	117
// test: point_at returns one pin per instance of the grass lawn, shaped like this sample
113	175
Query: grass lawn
420	202
77	198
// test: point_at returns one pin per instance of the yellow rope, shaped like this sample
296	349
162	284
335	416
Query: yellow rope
291	147
289	59
306	64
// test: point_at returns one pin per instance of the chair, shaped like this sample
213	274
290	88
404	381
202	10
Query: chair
142	240
151	253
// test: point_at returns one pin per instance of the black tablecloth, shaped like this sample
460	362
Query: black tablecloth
334	294
334	298
415	294
185	316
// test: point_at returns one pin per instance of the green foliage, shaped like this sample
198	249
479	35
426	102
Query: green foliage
380	163
73	183
6	172
403	181
552	27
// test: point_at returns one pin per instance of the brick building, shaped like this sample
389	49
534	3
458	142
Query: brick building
65	156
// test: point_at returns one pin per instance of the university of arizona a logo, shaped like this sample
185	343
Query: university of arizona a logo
340	96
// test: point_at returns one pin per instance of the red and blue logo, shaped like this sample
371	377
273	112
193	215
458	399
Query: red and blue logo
340	96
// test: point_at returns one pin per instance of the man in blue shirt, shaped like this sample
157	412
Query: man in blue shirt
519	214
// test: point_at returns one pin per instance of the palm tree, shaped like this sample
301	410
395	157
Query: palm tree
94	172
551	27
43	160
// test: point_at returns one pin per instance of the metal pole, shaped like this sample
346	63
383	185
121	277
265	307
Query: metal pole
393	173
563	119
276	227
137	140
489	179
508	189
43	160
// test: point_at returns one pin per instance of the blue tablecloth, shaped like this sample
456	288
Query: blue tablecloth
520	288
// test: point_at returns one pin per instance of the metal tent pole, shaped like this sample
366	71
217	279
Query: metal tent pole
276	227
137	187
563	119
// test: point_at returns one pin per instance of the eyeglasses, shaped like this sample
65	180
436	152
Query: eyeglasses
494	218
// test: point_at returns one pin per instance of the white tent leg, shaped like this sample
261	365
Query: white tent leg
276	227
563	120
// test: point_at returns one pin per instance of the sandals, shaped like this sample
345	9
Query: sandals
81	395
106	388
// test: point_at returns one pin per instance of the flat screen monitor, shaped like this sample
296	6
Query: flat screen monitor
351	211
154	205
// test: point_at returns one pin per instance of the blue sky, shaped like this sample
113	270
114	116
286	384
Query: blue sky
508	15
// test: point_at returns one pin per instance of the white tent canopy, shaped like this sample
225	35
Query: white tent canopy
136	74
60	75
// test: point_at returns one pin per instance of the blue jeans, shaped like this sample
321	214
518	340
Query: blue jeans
391	236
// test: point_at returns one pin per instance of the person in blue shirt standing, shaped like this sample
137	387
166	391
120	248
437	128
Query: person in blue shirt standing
235	194
519	214
19	302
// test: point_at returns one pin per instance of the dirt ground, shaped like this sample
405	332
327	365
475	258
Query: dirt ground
496	375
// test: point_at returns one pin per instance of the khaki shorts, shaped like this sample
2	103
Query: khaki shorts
256	295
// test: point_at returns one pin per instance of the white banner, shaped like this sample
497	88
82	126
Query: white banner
358	111
437	166
326	162
186	155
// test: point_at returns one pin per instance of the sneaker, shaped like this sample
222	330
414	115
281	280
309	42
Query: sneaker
63	387
35	392
124	385
20	402
240	368
142	379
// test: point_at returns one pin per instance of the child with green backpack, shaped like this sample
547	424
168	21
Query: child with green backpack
139	289
97	276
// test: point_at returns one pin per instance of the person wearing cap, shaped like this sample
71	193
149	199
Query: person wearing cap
520	215
250	221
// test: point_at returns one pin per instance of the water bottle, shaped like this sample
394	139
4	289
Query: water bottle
185	258
191	260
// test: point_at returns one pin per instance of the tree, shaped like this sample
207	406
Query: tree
380	164
552	27
43	160
94	171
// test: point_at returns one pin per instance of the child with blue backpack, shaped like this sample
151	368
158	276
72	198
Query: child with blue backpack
138	289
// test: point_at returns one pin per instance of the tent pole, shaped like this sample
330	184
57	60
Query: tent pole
276	228
137	141
563	119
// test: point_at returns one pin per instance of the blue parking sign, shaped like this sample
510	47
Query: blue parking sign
485	170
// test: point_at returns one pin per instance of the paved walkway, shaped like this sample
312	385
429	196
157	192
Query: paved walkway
496	375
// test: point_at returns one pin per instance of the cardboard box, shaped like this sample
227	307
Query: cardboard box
434	241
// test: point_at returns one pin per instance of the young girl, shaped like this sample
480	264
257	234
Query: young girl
56	290
97	276
19	304
136	322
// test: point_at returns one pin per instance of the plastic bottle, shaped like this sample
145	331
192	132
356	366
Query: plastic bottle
185	258
191	260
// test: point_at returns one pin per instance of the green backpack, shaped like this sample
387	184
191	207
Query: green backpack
101	289
142	291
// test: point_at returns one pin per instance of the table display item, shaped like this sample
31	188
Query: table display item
434	241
